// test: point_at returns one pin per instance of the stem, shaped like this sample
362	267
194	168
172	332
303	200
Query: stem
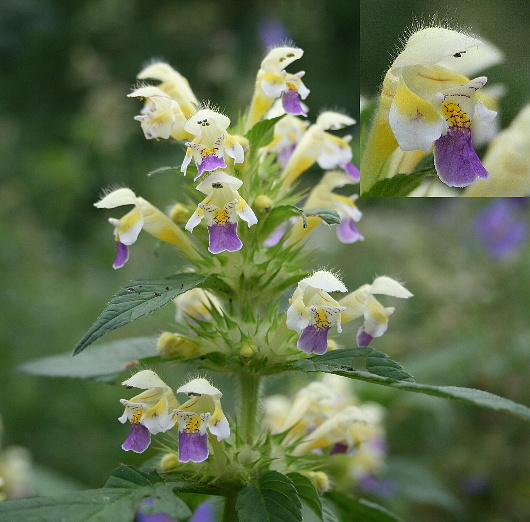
250	394
230	513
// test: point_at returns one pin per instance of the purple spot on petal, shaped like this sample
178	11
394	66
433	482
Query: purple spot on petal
363	338
314	340
455	159
209	163
193	446
277	235
338	447
347	231
351	170
138	440
224	237
122	256
285	153
291	103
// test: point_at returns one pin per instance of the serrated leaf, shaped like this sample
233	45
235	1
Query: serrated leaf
136	299
377	363
131	477
472	396
359	509
103	362
101	505
307	492
400	185
273	499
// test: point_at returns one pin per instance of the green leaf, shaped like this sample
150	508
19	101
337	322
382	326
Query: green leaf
273	499
359	509
102	505
130	477
307	492
331	217
467	395
277	216
164	169
103	362
399	185
137	299
339	360
282	213
261	133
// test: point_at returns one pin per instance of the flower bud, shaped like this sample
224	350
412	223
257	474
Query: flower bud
180	213
247	351
174	345
263	203
169	461
319	479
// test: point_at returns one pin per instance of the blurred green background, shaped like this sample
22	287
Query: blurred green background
505	24
67	130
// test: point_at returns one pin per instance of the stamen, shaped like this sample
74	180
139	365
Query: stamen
455	115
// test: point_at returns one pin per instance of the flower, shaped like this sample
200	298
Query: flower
273	82
322	196
312	311
362	302
195	304
211	142
427	100
150	412
161	116
173	84
317	145
221	208
500	229
288	132
143	215
200	413
326	416
507	159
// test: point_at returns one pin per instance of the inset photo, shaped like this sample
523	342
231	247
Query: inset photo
445	102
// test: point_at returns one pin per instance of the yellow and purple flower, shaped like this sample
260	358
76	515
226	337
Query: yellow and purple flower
326	149
201	413
362	303
312	311
142	216
211	143
221	209
428	100
273	82
322	196
150	412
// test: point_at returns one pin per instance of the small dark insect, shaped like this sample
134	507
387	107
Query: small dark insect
192	394
157	295
217	185
459	55
129	387
131	289
167	287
